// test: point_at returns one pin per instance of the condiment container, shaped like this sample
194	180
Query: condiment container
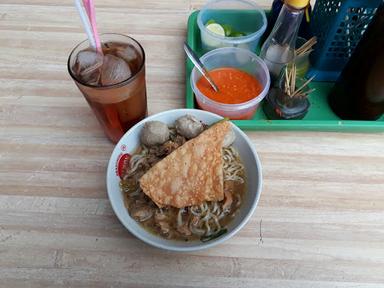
242	15
235	58
279	48
279	105
304	30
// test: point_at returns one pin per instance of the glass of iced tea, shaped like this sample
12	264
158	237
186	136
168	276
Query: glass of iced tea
113	83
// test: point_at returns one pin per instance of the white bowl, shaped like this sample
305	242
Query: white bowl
130	142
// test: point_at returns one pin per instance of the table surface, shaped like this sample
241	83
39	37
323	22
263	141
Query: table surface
319	222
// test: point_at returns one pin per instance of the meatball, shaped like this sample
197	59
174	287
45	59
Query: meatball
229	138
188	126
154	133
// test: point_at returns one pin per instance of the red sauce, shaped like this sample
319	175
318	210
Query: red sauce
235	86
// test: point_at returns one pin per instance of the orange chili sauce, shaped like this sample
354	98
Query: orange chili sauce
235	86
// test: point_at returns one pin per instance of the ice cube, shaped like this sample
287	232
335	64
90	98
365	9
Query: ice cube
128	53
114	70
88	59
87	66
109	47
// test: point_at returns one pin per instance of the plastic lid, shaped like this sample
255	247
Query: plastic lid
298	4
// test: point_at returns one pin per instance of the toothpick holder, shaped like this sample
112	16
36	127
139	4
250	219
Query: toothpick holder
279	105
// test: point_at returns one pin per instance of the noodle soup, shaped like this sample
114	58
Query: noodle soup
204	221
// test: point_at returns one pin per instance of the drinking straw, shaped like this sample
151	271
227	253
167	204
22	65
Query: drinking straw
90	9
86	24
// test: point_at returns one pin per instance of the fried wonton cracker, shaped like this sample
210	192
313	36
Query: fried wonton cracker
191	174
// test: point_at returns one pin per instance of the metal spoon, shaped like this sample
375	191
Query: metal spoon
196	61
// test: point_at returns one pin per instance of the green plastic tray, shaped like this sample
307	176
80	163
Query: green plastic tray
319	118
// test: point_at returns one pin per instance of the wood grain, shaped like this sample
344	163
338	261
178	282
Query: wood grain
319	223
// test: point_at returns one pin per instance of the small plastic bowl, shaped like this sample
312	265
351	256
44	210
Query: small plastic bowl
241	15
241	59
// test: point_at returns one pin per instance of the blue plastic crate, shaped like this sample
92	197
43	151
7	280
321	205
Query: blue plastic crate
339	26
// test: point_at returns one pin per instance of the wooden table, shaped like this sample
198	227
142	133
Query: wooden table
320	219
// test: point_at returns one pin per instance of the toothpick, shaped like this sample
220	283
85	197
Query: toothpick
286	80
293	79
290	83
302	86
307	46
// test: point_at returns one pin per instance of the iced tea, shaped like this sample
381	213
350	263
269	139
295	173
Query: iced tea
113	83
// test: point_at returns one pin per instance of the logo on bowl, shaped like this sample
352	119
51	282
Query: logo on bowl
122	159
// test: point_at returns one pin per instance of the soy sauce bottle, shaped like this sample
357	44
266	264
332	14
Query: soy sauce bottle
304	30
279	48
359	92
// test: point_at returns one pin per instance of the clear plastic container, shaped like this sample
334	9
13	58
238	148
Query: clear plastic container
242	15
236	58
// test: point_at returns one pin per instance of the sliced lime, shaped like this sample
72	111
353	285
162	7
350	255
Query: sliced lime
228	30
216	28
237	34
210	21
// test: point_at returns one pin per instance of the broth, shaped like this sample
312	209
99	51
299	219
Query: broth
201	222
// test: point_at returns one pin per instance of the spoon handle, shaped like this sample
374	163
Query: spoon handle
196	61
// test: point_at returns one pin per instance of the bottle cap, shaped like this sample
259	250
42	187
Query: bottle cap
298	4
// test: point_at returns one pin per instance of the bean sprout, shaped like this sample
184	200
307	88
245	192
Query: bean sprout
208	229
180	217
